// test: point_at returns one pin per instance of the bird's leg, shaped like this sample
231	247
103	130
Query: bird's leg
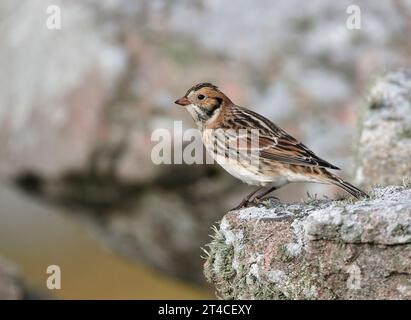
266	192
246	199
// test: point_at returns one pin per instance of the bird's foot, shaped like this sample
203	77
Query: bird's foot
265	201
269	198
243	204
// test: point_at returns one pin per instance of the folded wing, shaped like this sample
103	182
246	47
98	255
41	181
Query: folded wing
275	144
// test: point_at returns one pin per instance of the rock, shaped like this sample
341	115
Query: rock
10	284
164	229
162	225
384	147
55	85
321	249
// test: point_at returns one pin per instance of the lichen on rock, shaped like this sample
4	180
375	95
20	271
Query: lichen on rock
322	250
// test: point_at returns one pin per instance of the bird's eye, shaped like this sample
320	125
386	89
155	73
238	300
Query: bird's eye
201	97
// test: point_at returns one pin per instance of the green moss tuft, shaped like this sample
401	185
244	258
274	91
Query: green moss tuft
406	182
283	253
405	133
400	231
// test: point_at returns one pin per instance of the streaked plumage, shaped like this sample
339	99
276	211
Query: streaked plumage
276	159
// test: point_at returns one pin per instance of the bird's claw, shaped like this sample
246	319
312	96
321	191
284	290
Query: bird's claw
243	204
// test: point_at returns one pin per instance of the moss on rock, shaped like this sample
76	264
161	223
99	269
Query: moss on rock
322	250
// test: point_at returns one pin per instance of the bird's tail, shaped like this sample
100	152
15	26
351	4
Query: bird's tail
354	191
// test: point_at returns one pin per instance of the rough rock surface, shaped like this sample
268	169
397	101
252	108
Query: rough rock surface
10	285
384	147
316	250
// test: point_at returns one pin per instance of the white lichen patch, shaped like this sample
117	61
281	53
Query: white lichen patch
230	236
277	210
404	290
310	292
384	219
261	213
294	248
277	276
254	267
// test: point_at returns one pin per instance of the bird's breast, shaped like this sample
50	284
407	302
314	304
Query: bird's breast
241	168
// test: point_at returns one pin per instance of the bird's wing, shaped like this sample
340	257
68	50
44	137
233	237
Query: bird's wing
286	149
275	144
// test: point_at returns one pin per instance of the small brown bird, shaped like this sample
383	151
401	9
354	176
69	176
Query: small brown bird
276	160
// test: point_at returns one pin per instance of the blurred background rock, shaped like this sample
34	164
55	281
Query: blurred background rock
384	146
10	286
78	106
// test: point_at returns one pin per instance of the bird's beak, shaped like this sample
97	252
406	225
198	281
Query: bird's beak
183	101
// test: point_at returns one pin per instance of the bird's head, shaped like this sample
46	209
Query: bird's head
204	102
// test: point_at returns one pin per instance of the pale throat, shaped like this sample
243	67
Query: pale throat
200	117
